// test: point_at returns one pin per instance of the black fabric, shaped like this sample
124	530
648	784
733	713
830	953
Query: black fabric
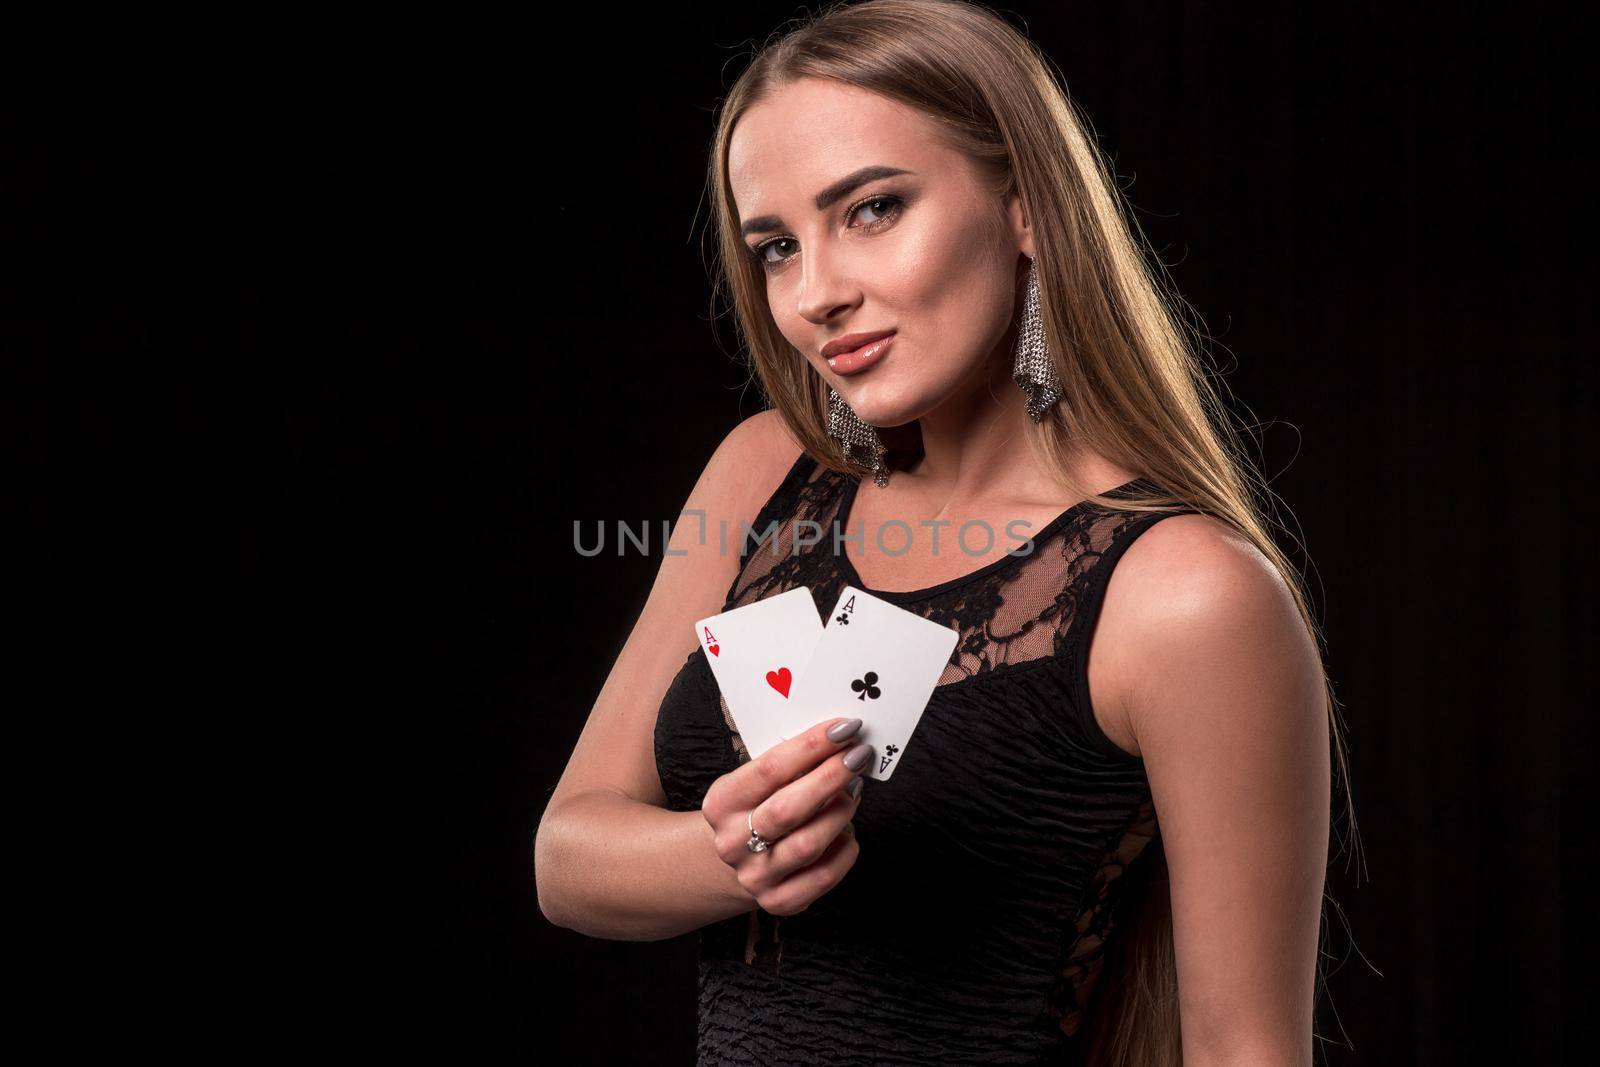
974	924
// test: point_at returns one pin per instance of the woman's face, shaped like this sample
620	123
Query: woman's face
927	253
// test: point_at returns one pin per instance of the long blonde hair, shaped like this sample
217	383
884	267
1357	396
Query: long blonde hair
1134	391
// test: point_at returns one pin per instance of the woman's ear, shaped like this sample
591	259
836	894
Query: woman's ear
1021	232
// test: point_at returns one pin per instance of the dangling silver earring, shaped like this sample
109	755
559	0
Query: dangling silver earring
858	442
1035	372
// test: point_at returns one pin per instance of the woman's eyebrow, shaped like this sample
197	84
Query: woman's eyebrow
837	191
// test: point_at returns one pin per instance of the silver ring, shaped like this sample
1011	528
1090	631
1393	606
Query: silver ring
757	843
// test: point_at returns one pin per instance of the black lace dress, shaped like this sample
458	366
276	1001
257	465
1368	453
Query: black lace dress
975	921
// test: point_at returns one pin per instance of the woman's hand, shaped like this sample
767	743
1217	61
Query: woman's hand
798	793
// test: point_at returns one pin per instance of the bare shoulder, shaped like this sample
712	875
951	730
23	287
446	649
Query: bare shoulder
1193	607
1195	568
747	466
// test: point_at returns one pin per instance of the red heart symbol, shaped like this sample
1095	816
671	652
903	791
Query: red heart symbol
779	680
714	649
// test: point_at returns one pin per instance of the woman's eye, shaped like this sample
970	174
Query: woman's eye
882	209
871	205
760	251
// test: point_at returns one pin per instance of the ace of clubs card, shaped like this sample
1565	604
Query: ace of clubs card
875	661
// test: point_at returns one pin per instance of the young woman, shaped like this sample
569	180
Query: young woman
1108	841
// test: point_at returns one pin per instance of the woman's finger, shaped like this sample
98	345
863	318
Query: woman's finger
753	782
796	805
808	842
802	888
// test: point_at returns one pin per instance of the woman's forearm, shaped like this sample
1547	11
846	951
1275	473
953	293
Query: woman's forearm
611	867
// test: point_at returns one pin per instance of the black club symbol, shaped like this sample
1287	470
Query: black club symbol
890	750
843	620
867	687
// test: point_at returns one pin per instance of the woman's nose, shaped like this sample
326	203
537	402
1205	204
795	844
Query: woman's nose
824	288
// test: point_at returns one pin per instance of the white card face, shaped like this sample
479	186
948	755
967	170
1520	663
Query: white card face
878	662
757	654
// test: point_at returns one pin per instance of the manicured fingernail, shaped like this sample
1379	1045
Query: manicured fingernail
840	731
857	757
855	788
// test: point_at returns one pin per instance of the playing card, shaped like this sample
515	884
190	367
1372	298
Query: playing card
757	653
875	661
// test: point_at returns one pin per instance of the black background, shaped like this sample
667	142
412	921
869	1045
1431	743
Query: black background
1377	213
458	269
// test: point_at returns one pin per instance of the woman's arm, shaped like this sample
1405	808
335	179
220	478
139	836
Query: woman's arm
1222	688
609	860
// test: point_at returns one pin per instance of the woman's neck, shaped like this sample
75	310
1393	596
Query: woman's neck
974	445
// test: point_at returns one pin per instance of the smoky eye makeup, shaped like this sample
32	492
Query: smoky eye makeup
886	207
